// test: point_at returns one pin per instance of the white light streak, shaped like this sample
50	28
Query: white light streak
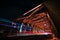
21	27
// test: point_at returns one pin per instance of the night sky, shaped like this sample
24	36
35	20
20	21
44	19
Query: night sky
12	9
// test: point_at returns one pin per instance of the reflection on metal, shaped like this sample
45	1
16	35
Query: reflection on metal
40	22
39	6
42	25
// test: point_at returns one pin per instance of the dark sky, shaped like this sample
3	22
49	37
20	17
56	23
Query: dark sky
13	9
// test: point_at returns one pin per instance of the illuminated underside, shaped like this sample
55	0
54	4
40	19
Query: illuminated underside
40	22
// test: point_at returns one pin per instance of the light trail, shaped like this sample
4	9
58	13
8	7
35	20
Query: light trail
8	25
5	20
